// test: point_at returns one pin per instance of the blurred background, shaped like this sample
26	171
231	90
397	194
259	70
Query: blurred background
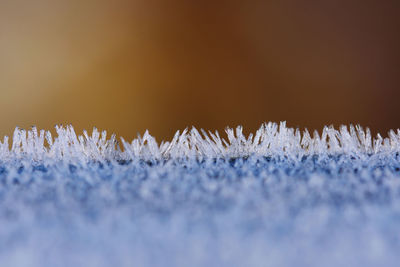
126	66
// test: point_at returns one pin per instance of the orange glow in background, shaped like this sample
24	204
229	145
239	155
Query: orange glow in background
127	66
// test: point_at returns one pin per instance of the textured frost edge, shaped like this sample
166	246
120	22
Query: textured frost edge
270	139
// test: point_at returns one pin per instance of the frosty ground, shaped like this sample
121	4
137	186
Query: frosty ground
276	198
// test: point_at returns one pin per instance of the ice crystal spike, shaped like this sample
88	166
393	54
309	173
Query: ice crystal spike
269	139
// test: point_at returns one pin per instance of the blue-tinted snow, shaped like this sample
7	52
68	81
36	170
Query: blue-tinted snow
279	198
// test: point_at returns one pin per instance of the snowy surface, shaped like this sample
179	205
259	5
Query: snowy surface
276	198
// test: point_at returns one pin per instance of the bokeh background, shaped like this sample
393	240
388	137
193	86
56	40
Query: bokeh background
127	66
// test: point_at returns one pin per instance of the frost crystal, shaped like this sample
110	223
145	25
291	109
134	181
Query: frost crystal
276	198
269	140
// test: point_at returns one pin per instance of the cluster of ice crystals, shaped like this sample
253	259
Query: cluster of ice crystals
270	139
278	197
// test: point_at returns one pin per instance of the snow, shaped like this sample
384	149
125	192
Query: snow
276	198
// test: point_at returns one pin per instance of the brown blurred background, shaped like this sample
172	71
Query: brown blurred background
127	66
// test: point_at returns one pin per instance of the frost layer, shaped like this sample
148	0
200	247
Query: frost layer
275	198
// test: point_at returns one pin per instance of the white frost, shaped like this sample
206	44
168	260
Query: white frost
270	139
